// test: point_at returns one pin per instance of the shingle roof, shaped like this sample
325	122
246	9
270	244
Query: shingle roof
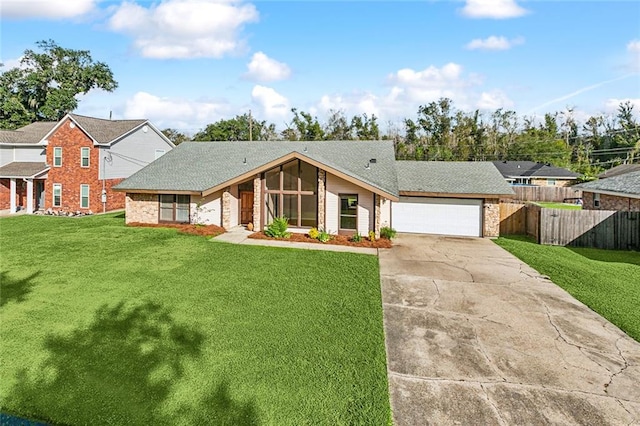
626	184
199	166
22	169
29	134
453	177
515	169
619	170
105	131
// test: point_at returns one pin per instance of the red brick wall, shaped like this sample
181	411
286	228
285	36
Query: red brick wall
71	175
611	202
5	194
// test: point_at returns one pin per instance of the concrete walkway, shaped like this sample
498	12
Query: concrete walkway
239	235
474	336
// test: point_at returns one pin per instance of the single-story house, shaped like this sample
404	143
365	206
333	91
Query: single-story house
537	174
621	193
619	170
339	186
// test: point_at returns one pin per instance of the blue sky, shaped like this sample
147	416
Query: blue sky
187	63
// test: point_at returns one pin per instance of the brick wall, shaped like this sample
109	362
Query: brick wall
610	202
544	182
491	222
142	208
5	194
71	175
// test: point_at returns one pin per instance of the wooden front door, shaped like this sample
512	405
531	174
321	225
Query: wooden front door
246	207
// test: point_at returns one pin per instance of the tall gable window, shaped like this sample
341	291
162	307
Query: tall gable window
84	157
291	191
57	195
174	208
57	157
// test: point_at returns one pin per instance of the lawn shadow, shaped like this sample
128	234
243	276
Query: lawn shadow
119	370
15	290
609	256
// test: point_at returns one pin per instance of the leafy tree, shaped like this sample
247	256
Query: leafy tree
176	136
337	127
365	128
45	86
307	128
240	128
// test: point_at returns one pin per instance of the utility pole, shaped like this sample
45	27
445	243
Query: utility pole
250	126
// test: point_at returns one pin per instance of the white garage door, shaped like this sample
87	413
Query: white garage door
445	216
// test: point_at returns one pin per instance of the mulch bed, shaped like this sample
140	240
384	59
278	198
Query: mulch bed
185	228
339	240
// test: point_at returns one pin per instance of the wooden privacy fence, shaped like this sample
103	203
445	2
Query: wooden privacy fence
546	193
577	228
590	228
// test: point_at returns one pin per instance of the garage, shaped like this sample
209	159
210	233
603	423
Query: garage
444	216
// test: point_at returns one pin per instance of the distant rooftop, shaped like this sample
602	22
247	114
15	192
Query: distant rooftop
521	169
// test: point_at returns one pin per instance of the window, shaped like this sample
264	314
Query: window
349	211
57	195
84	157
159	153
596	200
57	157
551	182
84	196
174	208
290	190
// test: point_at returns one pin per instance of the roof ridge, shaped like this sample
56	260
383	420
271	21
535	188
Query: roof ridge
107	119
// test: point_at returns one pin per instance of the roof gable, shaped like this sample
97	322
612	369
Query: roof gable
205	166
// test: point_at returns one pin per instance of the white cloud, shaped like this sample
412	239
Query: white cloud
493	100
611	105
494	43
264	68
634	46
11	63
410	89
176	113
185	28
272	104
45	9
495	9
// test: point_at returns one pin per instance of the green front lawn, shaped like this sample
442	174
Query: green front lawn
605	280
564	206
106	324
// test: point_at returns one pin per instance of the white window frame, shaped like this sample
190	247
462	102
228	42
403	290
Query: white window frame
88	156
59	157
160	153
551	182
53	195
596	199
82	186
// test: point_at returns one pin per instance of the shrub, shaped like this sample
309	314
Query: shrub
372	236
313	233
356	238
278	228
387	232
323	236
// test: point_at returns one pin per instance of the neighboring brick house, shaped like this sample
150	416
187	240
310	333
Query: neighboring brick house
620	193
536	174
67	165
342	187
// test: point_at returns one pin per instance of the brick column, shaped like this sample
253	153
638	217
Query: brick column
226	208
491	218
378	209
322	179
257	196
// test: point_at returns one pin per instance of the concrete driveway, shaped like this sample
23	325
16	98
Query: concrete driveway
474	336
